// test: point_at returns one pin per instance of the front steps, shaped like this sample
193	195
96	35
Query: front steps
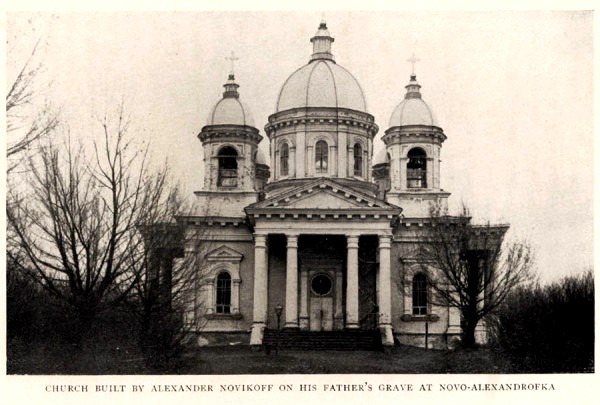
294	339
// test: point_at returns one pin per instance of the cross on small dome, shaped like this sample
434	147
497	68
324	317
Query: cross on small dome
232	58
413	60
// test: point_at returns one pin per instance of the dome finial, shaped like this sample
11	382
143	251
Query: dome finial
413	87
231	86
322	43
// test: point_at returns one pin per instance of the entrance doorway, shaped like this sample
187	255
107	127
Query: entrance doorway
321	266
321	302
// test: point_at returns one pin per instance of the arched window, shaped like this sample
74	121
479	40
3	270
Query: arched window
228	167
358	160
321	156
284	155
223	293
416	169
419	294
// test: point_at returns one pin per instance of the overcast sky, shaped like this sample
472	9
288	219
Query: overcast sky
513	92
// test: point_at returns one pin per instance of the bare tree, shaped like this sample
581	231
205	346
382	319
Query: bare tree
165	297
25	125
79	231
468	268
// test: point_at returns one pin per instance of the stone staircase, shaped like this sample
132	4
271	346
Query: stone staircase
294	339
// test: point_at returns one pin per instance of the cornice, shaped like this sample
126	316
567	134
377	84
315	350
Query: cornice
403	134
212	133
322	116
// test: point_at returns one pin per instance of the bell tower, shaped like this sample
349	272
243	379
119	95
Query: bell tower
413	143
230	142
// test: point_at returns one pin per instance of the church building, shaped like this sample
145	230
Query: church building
320	237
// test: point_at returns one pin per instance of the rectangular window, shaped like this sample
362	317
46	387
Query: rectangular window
223	294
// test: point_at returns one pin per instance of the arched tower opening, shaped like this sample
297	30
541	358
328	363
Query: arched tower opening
416	168
228	167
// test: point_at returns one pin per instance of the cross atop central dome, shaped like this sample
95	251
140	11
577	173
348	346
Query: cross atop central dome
322	82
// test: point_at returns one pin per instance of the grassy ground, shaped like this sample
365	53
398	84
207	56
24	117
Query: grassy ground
400	359
53	359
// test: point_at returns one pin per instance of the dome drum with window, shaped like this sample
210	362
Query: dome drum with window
321	114
321	157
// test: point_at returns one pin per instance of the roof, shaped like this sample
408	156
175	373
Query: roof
230	110
321	83
323	198
412	110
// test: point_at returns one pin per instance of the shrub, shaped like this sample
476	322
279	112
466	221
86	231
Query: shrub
549	328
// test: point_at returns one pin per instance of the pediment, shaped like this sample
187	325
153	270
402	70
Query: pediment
322	194
321	198
224	253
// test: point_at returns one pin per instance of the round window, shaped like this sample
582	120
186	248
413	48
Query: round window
321	284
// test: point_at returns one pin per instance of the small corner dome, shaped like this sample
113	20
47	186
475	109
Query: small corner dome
412	110
380	156
260	158
230	110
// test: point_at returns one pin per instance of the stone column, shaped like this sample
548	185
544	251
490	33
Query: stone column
338	321
291	282
304	300
352	283
260	289
385	290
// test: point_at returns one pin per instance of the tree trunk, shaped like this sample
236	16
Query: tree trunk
468	325
468	331
85	313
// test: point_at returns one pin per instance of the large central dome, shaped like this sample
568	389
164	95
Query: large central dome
322	82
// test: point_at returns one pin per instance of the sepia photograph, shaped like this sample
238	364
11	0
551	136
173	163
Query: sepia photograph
248	193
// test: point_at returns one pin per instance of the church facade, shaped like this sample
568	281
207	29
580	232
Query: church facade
322	238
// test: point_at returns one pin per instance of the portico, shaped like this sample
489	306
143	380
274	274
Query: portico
319	257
